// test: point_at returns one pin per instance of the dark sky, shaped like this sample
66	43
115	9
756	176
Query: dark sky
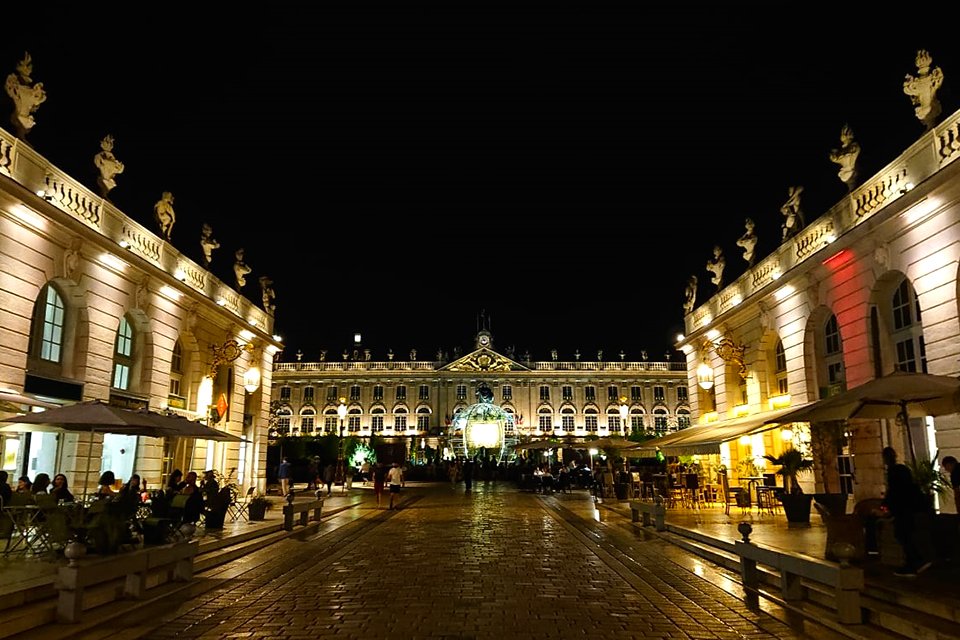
396	173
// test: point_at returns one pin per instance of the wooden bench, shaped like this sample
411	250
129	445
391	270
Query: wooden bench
302	508
176	560
846	580
651	513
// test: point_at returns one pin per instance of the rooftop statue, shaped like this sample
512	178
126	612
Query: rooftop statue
748	241
207	244
240	269
690	296
266	288
923	89
26	98
716	265
846	156
163	212
108	166
792	214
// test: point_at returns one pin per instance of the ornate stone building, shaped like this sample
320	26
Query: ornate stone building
95	306
867	288
419	398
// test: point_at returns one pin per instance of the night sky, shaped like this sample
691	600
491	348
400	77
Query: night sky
396	173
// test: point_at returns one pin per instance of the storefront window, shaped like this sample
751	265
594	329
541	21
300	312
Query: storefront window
119	453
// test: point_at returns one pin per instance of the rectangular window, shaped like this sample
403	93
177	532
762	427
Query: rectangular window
567	422
401	392
591	394
461	392
376	423
906	360
782	386
174	386
636	422
423	422
283	424
353	423
306	424
506	392
285	394
659	395
121	376
567	393
613	422
591	422
660	422
52	327
682	395
378	392
683	420
308	394
544	393
845	467
546	421
330	424
424	392
635	394
613	393
835	372
355	393
400	422
332	393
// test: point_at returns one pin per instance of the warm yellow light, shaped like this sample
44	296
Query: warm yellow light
204	395
251	379
783	292
112	261
221	301
779	402
180	275
342	409
786	435
741	410
28	216
594	452
483	434
681	337
713	334
744	440
170	292
705	376
247	335
710	416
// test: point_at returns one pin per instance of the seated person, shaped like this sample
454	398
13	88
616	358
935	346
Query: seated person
24	485
60	489
106	482
174	482
129	495
194	505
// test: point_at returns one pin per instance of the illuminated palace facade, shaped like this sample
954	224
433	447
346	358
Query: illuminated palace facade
392	398
869	287
97	307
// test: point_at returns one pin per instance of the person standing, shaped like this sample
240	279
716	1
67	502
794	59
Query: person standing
951	467
329	472
903	500
395	478
468	475
5	491
379	477
283	472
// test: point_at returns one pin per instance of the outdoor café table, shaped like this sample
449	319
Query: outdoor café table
27	529
752	483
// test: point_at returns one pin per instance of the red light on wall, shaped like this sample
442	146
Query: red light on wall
839	258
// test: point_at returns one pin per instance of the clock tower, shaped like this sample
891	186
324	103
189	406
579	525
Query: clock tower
484	339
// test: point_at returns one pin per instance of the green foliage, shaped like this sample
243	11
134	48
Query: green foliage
260	501
931	481
792	463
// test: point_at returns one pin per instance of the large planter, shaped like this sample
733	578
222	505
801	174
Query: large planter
797	507
257	511
834	503
214	519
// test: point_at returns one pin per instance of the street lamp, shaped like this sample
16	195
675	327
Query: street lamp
624	412
339	476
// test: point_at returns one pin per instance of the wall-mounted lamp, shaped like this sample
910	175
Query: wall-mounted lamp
251	379
705	376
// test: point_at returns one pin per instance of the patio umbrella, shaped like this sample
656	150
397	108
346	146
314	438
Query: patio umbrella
537	444
609	442
174	425
900	393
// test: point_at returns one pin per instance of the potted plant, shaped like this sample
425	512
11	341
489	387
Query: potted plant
257	507
796	503
217	506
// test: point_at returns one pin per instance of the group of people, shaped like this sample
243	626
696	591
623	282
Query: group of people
40	485
198	494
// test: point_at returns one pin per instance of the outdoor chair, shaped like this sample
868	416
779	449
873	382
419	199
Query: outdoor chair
730	496
694	494
238	508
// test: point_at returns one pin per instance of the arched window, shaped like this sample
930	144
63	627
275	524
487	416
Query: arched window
307	419
330	418
683	418
660	420
399	419
176	370
590	419
545	418
780	371
833	359
50	315
353	420
283	420
613	419
376	419
908	330
566	418
423	417
636	420
123	355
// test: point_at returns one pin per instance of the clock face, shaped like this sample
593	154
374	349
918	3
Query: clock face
484	341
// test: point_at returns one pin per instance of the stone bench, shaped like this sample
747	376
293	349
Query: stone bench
651	513
176	560
303	509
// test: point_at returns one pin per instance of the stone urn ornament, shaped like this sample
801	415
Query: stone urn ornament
73	551
26	97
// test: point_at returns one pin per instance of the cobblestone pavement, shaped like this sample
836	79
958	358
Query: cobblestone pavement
492	564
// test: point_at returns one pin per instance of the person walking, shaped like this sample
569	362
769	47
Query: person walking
468	475
395	478
283	472
904	500
379	477
329	472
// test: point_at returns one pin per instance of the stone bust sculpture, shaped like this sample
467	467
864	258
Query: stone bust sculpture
108	166
792	214
748	241
923	88
207	244
26	98
846	156
164	215
716	265
240	269
266	288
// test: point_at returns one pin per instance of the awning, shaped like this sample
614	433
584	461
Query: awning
707	438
